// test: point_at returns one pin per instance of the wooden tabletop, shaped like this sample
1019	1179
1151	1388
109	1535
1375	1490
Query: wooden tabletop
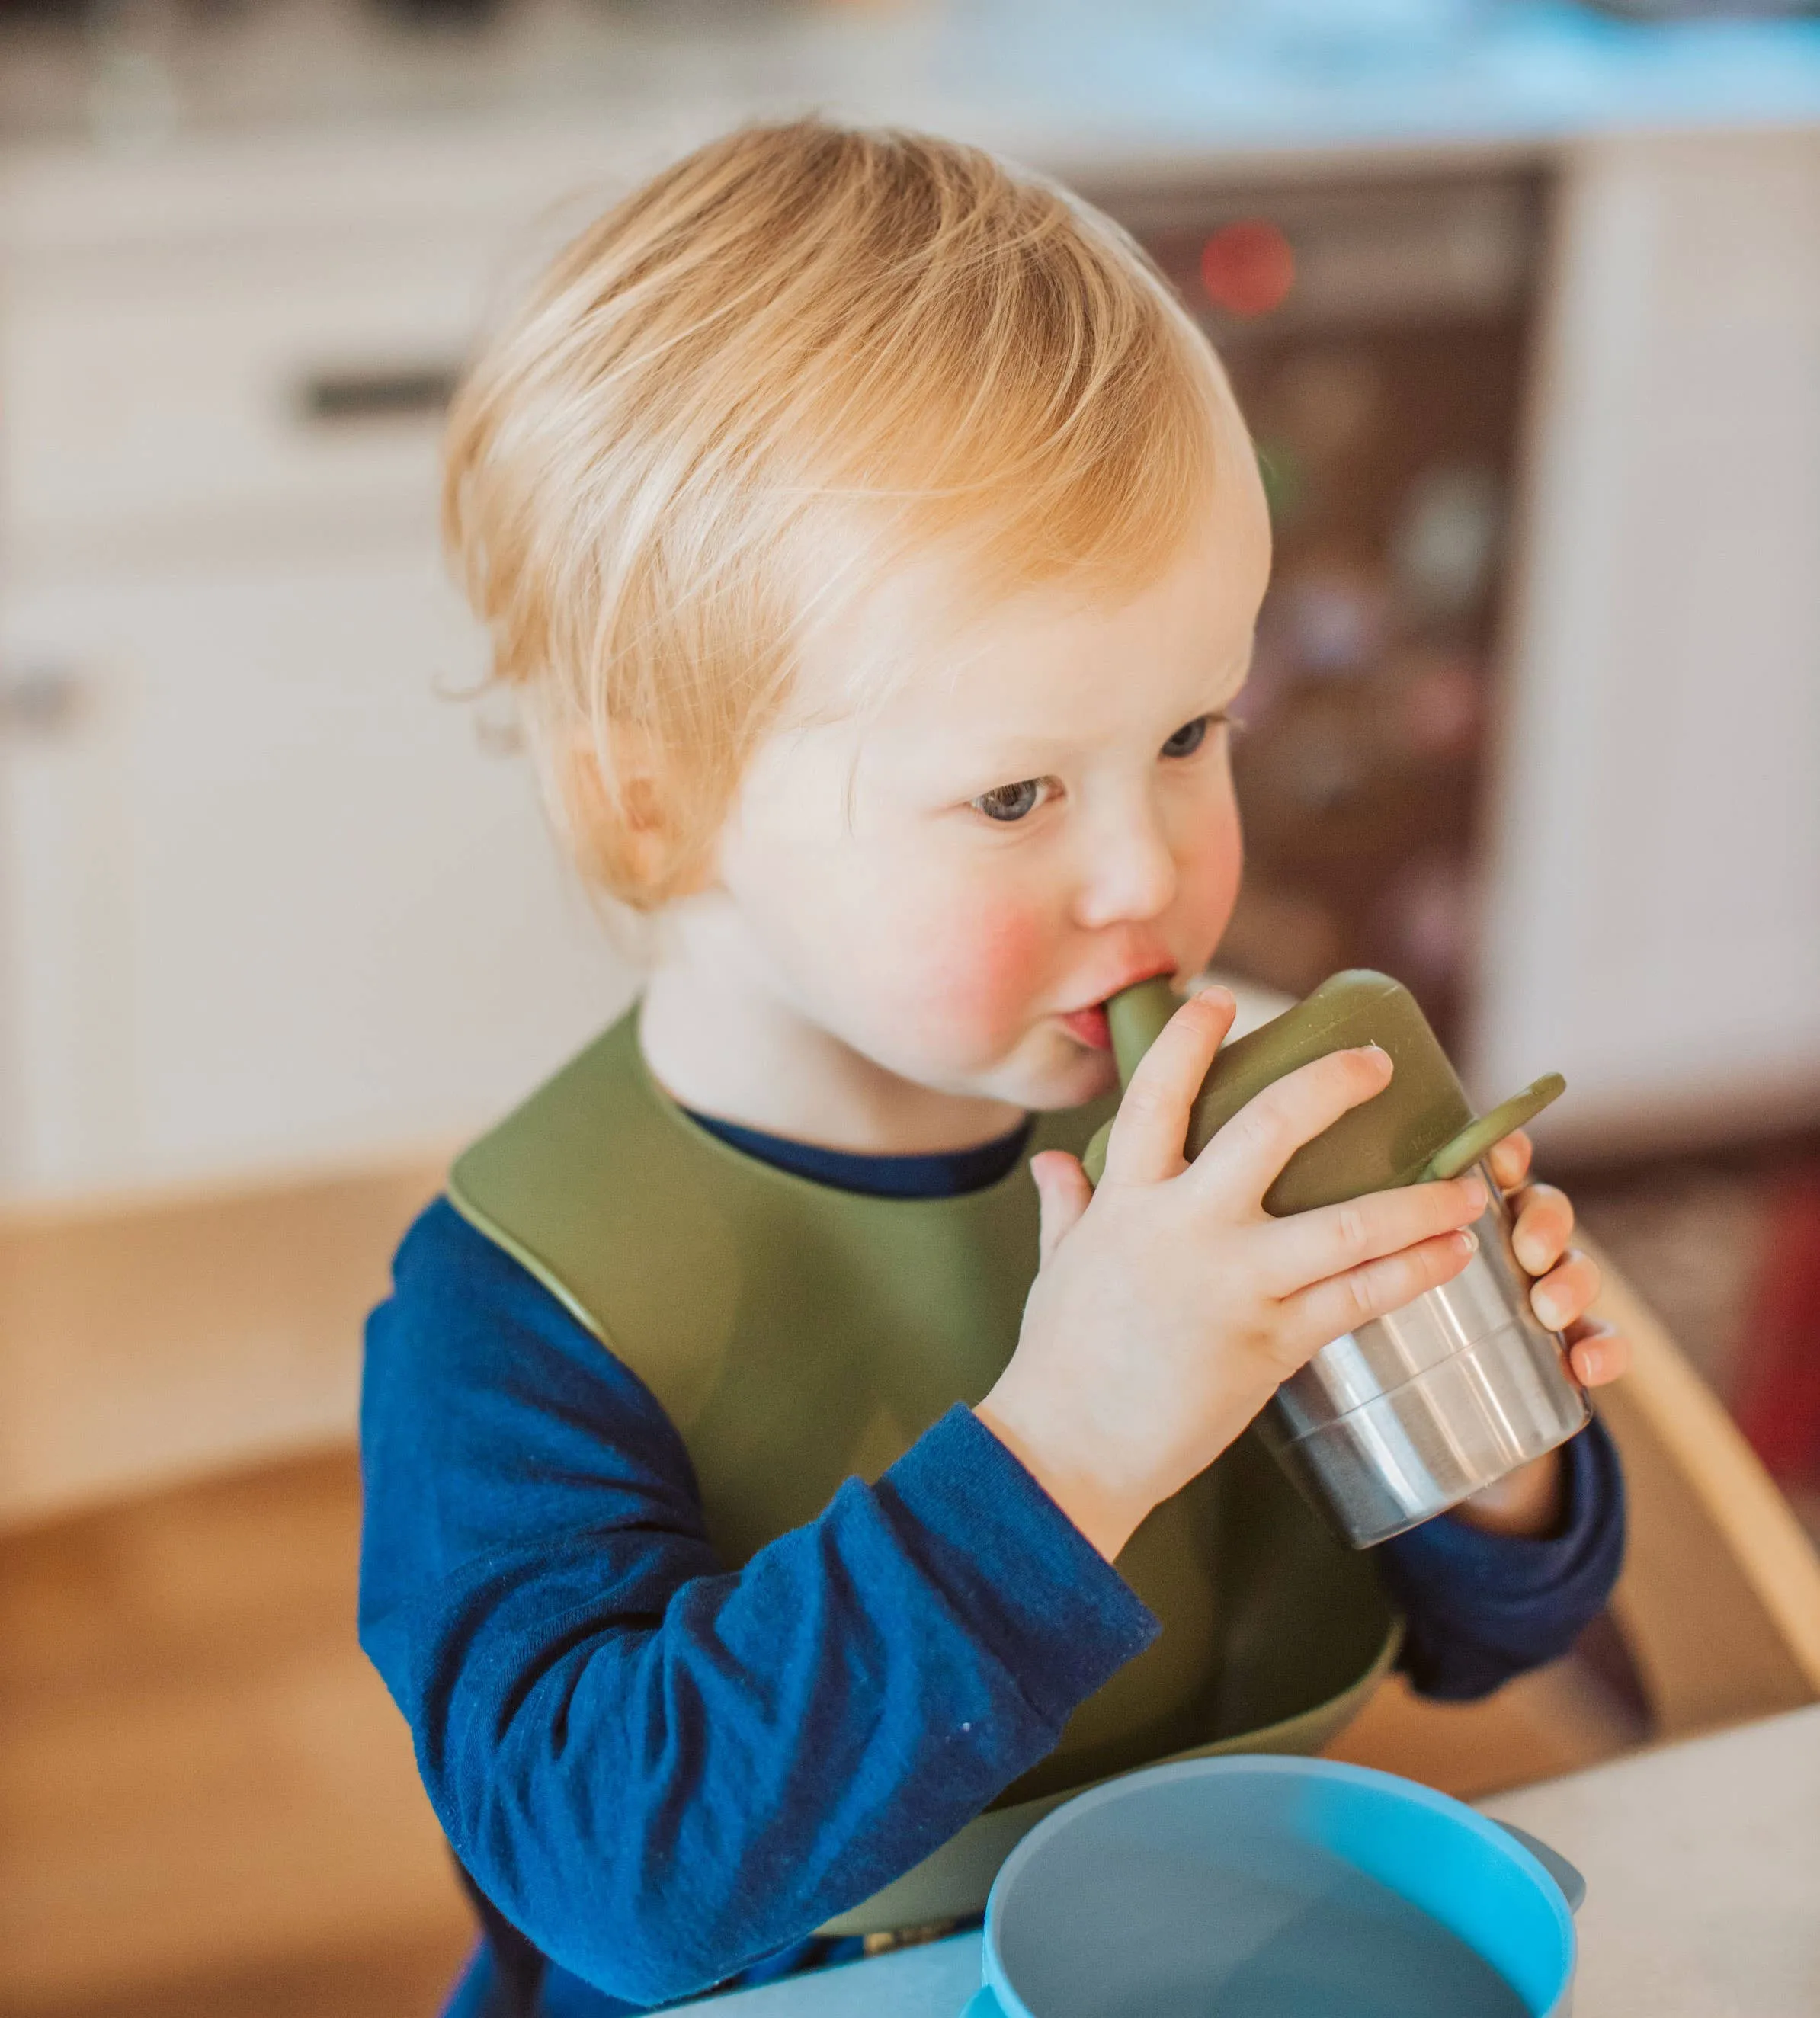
1703	1868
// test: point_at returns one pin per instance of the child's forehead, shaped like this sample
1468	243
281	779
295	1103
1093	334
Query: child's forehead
925	652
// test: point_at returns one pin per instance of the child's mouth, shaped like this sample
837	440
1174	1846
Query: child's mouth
1090	1026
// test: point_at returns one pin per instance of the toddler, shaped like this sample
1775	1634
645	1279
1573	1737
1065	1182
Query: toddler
776	1500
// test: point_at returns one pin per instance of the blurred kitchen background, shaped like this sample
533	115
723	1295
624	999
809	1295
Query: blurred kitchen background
1523	303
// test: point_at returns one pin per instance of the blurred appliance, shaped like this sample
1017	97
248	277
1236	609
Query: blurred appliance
1377	333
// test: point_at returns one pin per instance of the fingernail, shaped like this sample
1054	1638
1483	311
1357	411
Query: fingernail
1375	1051
1550	1311
1476	1198
1466	1240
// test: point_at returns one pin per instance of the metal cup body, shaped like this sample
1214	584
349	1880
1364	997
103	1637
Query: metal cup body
1413	1412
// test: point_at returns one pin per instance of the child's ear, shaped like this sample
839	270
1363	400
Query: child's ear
640	837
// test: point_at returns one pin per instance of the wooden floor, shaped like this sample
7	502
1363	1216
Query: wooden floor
207	1804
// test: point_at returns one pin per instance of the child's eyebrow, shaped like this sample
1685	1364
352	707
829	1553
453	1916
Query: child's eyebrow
1017	758
1005	754
1025	756
1011	751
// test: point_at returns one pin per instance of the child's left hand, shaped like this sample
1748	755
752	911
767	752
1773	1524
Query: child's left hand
1567	1281
1529	1501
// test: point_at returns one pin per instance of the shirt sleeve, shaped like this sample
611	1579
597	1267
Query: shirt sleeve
658	1770
1481	1607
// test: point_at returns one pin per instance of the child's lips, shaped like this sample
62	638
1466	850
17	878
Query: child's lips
1090	1026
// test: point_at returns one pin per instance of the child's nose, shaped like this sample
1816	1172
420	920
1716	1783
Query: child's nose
1129	873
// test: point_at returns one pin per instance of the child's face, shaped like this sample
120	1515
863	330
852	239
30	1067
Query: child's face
1041	813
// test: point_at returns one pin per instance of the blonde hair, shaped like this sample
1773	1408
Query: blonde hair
793	359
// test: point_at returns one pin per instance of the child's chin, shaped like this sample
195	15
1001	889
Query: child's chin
1069	1078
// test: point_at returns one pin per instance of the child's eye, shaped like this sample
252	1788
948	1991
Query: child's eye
1010	802
1188	739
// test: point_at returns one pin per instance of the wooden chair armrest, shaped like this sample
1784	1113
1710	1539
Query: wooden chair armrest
1719	1603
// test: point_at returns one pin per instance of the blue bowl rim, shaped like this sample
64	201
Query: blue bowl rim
1282	1765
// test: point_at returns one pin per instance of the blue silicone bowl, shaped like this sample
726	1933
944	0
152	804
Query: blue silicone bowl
1267	1887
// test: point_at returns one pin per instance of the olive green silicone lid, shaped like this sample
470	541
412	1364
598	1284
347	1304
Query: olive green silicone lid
1422	1125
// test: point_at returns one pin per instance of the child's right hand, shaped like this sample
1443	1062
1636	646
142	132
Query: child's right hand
1169	1305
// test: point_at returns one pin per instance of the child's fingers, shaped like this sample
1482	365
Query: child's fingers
1245	1157
1544	1221
1310	1246
1565	1294
1063	1194
1598	1352
1510	1160
1144	1145
1316	1316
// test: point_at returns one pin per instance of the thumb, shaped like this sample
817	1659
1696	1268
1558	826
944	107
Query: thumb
1063	1194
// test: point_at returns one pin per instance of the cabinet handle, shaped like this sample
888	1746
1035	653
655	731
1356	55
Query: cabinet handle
338	399
40	701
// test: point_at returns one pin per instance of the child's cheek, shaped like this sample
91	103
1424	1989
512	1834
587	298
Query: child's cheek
1210	870
983	963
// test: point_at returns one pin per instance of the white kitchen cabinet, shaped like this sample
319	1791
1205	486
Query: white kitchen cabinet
160	410
1653	925
270	898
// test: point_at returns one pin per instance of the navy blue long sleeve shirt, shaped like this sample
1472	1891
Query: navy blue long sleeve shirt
662	1774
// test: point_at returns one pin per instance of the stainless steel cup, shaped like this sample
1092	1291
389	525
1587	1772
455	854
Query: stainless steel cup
1415	1411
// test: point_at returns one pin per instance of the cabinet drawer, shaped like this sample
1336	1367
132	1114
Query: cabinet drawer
237	390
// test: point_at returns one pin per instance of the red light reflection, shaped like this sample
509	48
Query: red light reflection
1248	267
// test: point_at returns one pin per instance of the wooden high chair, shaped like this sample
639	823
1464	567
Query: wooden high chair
1719	1605
1716	1619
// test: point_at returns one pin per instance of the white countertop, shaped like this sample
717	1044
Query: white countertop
1703	1868
1075	83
